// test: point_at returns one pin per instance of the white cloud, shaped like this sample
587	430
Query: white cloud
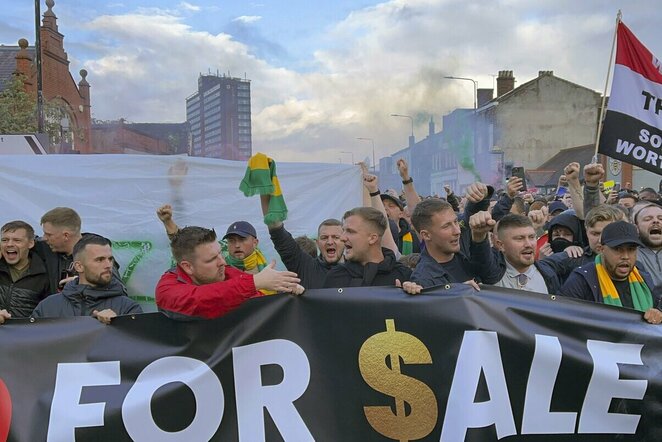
389	58
189	7
248	18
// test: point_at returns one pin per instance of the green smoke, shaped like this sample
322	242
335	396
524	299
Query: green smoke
463	148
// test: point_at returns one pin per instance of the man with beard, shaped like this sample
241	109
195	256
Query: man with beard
613	278
62	230
95	292
649	223
516	239
202	286
23	277
367	263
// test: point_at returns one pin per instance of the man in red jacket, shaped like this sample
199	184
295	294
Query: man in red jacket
203	286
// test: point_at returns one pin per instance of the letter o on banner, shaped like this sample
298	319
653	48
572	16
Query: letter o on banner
207	389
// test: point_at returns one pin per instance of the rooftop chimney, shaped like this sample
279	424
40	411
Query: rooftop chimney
505	82
541	73
484	96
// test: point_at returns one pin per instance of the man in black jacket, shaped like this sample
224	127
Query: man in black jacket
23	277
454	253
95	292
367	263
62	230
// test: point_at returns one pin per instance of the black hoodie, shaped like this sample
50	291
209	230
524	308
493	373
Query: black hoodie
81	300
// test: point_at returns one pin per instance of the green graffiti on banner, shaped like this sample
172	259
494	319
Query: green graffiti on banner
141	248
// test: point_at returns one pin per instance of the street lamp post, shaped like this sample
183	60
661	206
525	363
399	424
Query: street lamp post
351	153
412	140
452	77
373	150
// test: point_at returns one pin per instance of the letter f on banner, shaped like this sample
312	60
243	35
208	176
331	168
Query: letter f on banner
67	413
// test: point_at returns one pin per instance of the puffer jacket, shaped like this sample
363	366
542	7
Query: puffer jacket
21	297
81	300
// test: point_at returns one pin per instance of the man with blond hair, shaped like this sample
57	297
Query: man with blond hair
62	230
23	277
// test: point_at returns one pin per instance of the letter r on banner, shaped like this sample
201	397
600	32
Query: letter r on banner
67	413
252	396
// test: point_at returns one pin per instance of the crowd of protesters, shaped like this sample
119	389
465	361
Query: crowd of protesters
582	242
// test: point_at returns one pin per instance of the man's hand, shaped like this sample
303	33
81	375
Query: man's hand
164	213
104	316
480	223
271	279
403	169
64	281
514	186
4	315
409	287
538	217
370	182
593	173
653	316
574	251
546	250
447	189
473	284
612	198
571	172
476	192
563	181
528	198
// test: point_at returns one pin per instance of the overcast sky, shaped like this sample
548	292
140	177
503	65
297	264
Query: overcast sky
324	72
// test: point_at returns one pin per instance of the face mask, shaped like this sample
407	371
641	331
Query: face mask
559	244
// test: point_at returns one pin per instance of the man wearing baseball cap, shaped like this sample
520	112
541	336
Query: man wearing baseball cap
404	236
243	253
614	278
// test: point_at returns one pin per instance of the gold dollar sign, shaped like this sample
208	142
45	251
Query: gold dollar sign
422	415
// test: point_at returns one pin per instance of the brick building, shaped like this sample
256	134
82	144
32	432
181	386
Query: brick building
120	137
68	117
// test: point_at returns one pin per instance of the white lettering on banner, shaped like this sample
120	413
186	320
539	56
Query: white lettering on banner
655	140
479	352
606	385
640	152
536	418
277	399
206	388
67	413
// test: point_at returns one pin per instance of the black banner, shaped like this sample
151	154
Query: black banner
341	365
632	141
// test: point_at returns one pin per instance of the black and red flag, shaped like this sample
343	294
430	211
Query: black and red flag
632	130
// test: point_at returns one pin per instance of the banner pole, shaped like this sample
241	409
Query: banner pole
604	95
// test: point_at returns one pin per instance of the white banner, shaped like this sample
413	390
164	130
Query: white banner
117	196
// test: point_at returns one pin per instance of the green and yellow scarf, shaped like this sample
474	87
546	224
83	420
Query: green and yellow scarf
252	261
407	244
261	179
641	294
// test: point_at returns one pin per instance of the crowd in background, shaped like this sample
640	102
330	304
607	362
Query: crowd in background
584	242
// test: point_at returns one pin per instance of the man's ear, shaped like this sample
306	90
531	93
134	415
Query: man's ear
497	242
187	267
425	235
78	267
373	239
31	244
